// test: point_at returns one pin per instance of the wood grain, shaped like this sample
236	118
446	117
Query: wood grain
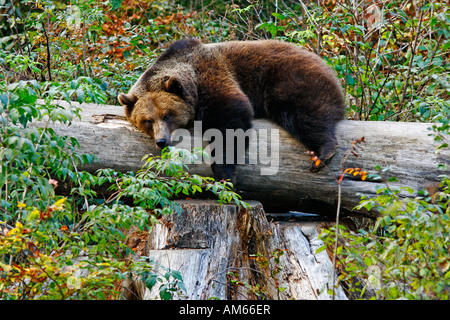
407	148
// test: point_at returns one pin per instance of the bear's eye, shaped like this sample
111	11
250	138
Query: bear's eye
148	123
166	117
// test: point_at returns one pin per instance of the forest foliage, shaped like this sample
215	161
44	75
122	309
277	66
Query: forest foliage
392	58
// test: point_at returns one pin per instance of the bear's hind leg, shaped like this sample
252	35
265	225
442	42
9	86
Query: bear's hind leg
325	153
318	136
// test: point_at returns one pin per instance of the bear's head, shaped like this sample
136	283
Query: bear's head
159	110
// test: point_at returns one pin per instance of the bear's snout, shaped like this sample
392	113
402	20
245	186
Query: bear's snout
161	143
162	134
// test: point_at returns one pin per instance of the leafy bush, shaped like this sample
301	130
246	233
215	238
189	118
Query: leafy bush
404	255
56	247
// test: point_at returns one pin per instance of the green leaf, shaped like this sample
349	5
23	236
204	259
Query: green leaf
12	86
80	95
164	293
74	84
278	15
2	176
392	179
322	248
150	282
35	84
4	99
177	275
446	45
115	4
350	80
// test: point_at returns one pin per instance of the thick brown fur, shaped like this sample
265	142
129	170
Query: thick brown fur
226	85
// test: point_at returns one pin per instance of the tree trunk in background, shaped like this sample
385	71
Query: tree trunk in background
406	148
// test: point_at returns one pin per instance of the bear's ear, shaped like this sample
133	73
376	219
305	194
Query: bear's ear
173	85
128	101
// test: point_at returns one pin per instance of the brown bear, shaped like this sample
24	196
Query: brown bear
226	85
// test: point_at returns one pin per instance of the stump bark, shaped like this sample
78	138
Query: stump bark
225	252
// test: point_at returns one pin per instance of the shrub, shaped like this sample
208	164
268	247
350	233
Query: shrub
404	255
56	247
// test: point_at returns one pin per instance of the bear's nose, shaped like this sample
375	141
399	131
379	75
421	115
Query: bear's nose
161	143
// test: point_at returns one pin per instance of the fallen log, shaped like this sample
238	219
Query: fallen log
407	148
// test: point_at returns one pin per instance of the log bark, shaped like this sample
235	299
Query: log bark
228	253
406	148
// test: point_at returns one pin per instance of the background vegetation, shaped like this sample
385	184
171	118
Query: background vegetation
392	60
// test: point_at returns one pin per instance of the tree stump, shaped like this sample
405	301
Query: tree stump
226	252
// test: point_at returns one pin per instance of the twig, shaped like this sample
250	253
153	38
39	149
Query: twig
48	53
84	48
336	240
339	181
50	277
413	50
86	202
382	86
